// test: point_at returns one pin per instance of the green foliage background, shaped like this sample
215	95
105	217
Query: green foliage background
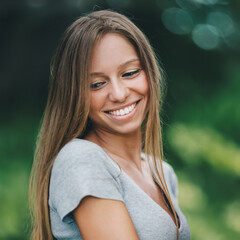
201	113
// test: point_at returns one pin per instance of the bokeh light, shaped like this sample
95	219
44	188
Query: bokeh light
205	36
177	20
222	22
205	2
192	4
210	28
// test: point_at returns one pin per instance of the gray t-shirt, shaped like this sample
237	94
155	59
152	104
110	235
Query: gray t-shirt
83	168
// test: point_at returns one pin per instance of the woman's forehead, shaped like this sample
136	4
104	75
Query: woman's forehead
112	49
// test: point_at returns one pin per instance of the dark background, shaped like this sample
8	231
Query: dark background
198	43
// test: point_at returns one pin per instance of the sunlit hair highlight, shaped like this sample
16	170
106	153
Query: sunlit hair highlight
67	109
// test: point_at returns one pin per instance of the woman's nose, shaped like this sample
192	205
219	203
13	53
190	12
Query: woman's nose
119	91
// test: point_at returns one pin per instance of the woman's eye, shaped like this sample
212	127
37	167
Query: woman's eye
96	85
130	74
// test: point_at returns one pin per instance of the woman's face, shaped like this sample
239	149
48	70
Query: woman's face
119	86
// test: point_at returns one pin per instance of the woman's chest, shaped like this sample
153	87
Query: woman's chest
147	186
150	219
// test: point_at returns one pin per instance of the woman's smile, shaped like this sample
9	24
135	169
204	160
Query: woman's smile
123	113
123	110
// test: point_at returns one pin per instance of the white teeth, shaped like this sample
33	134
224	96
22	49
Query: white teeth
123	111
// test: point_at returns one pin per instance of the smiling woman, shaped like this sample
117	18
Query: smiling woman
98	171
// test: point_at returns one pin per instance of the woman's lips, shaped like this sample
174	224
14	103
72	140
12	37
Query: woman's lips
123	110
123	113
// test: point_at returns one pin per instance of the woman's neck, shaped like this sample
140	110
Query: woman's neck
124	149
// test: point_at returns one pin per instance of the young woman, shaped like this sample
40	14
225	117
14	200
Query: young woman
90	178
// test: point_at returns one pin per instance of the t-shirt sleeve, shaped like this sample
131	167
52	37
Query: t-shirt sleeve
81	169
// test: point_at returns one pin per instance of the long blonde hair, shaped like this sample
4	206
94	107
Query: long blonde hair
66	113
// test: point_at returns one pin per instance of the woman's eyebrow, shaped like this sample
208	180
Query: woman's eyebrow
127	62
93	74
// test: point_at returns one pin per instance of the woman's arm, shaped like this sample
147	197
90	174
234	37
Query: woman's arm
104	219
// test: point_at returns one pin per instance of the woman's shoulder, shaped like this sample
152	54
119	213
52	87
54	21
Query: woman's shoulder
80	154
169	175
171	178
80	169
167	168
79	146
